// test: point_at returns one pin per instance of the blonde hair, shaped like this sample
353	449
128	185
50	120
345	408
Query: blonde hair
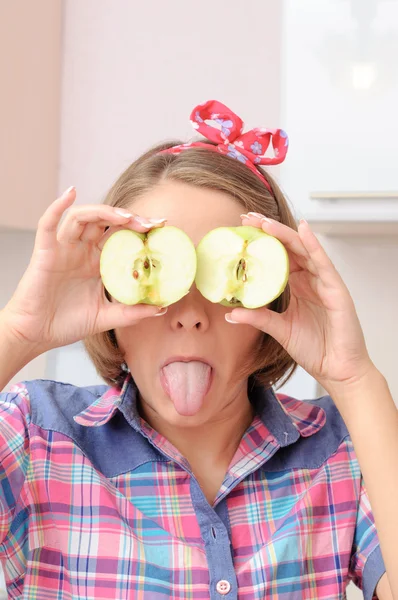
270	363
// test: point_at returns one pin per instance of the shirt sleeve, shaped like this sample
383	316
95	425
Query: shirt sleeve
367	565
14	452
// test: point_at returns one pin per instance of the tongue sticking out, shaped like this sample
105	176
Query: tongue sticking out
187	384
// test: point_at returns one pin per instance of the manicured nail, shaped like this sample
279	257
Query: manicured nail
229	319
268	220
123	213
72	187
142	222
304	221
253	214
161	312
244	217
157	221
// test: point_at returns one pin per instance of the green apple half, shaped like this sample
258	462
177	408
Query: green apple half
156	268
241	266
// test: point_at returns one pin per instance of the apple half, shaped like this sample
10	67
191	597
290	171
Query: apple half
241	266
157	267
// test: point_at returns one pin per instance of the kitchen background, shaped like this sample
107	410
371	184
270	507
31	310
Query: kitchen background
87	86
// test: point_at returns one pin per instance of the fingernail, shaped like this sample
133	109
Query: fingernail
303	221
157	221
123	213
244	217
253	214
268	220
143	222
72	187
161	312
229	319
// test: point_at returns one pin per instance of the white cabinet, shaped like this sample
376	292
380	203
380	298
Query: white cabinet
340	99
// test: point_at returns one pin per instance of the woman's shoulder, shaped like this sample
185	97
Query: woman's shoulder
323	434
45	401
310	416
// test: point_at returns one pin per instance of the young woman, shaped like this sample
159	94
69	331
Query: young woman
185	475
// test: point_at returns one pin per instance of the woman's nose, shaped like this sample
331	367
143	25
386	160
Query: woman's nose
190	311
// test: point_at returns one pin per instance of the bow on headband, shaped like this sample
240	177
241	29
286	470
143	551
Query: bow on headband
249	148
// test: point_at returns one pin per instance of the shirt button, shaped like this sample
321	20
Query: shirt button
223	587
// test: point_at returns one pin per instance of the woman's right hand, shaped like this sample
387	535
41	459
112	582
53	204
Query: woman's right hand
60	298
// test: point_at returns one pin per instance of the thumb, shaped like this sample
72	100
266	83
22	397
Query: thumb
264	319
122	315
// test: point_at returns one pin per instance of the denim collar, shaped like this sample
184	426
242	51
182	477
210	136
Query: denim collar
286	417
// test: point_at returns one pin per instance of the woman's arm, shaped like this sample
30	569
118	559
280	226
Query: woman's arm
383	589
371	416
14	354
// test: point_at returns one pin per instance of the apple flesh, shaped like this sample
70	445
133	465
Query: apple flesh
241	266
156	268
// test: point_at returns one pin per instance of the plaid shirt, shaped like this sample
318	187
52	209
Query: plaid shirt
96	504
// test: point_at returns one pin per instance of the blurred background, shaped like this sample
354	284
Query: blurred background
87	86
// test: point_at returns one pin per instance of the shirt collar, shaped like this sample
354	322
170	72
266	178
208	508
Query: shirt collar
286	417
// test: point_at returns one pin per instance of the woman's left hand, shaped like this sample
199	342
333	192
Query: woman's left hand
320	329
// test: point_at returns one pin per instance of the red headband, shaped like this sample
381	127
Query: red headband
249	148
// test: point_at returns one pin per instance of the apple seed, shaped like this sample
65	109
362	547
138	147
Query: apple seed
240	270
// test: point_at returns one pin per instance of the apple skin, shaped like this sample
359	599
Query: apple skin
156	268
241	266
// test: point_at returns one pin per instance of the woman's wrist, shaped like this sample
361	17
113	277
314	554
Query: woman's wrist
15	353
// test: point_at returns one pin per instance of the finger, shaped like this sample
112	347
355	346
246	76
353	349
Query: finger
130	225
324	266
298	254
46	236
147	222
115	314
264	319
77	219
93	232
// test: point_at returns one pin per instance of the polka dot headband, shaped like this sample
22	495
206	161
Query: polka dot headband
249	148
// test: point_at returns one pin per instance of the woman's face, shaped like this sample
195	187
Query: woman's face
193	326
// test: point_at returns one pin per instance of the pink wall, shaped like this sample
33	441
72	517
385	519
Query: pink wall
132	72
30	59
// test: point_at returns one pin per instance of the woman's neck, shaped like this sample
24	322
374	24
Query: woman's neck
213	443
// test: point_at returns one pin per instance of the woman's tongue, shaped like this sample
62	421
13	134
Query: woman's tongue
187	384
